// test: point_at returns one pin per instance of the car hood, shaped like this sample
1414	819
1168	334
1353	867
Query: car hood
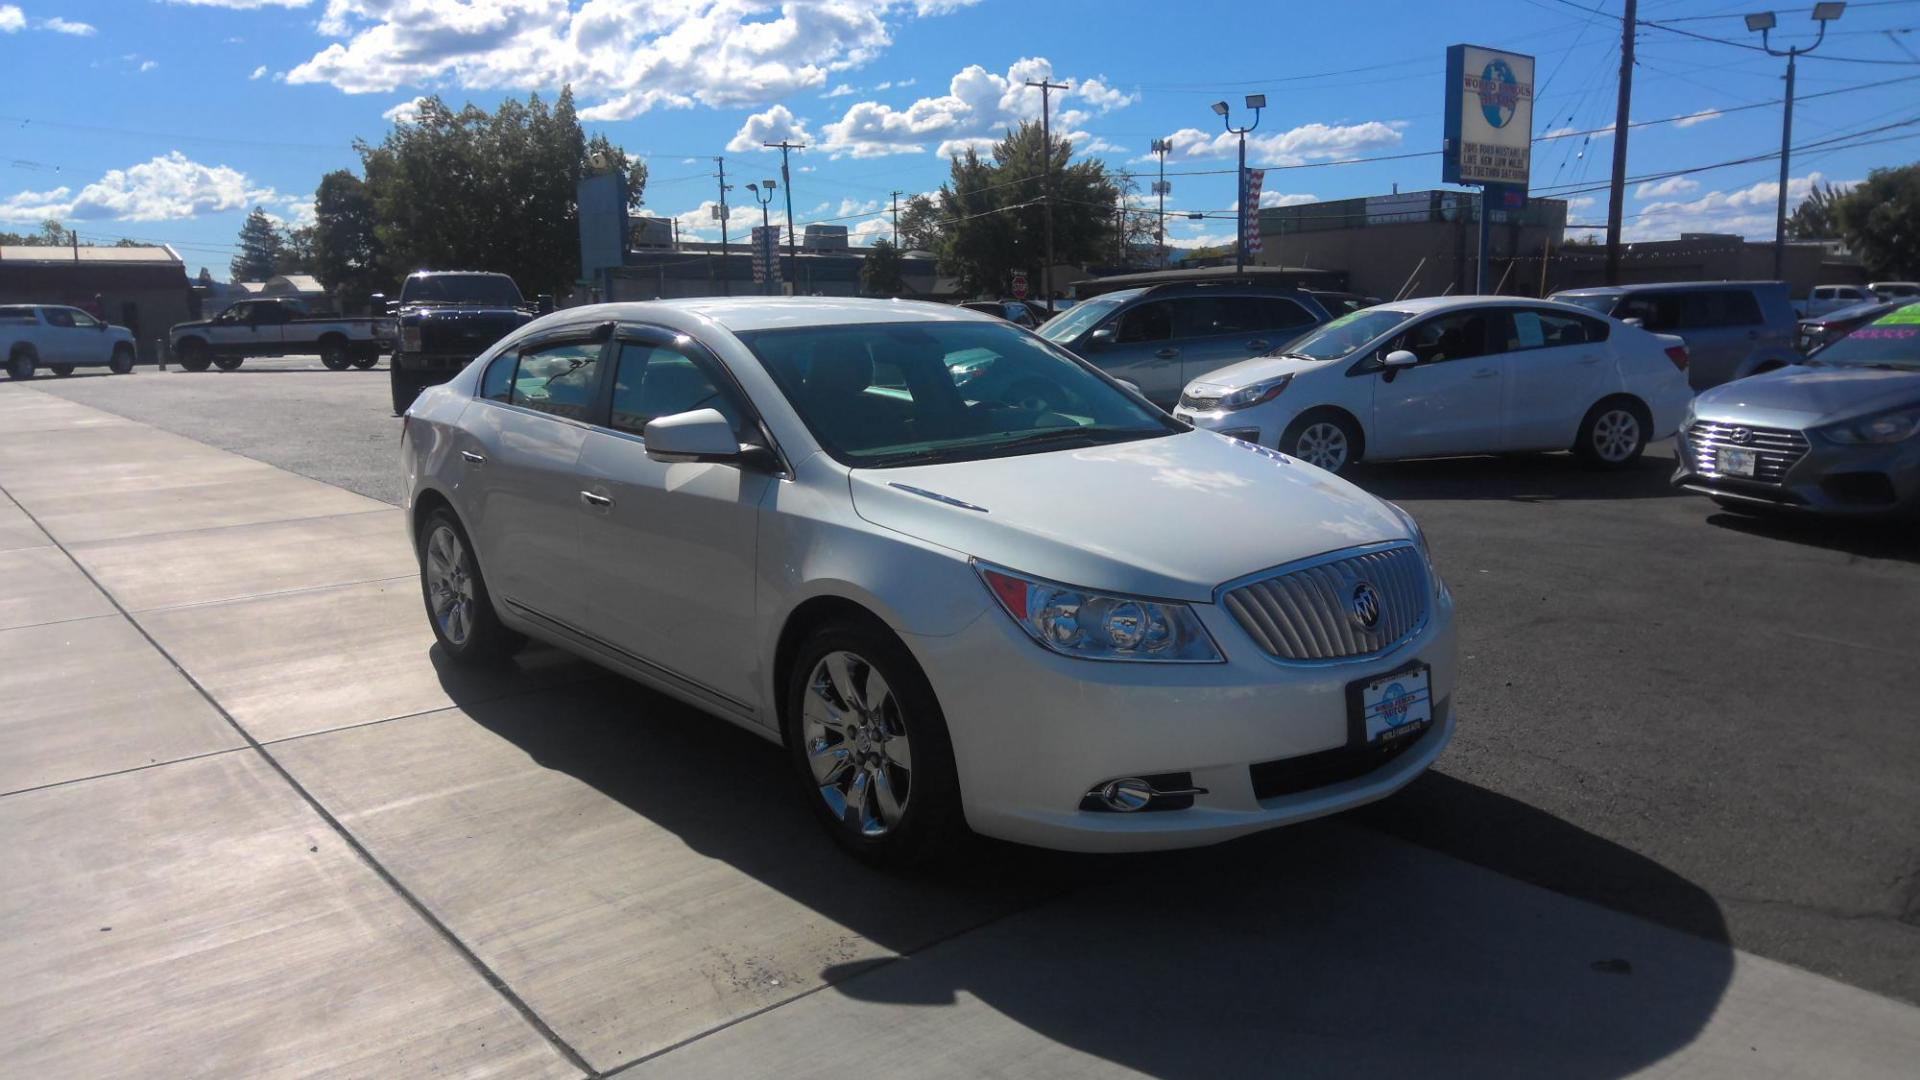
1171	518
1808	396
197	324
1258	369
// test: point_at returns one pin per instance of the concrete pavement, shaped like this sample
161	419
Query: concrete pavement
251	826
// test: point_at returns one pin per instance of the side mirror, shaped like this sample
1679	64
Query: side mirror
1101	338
101	326
700	435
1129	384
1399	358
544	304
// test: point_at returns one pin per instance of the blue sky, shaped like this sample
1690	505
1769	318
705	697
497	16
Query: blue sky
167	120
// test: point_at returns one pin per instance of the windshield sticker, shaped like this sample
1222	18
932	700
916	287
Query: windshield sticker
1906	316
1347	318
1526	324
1891	333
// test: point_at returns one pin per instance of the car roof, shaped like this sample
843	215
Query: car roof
741	314
1668	286
1421	305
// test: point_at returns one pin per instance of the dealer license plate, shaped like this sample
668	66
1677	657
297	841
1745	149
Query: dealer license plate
1396	706
1732	461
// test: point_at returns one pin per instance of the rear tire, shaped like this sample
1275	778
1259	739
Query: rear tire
333	355
459	607
1324	439
229	363
366	361
20	365
122	362
193	355
1614	433
62	370
848	736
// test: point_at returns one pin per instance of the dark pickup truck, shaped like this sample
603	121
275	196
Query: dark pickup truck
445	319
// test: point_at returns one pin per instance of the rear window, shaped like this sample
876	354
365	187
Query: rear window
1598	303
16	314
1893	339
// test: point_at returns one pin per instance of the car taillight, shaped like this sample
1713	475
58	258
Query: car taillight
1678	354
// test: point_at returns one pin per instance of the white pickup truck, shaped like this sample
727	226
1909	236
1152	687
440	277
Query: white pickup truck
279	327
34	336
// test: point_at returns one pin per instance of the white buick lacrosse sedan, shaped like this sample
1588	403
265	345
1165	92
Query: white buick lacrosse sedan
966	579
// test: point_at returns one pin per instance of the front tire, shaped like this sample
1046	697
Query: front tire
1327	440
193	355
62	370
229	363
365	361
406	386
20	366
122	362
459	608
1613	434
334	356
869	746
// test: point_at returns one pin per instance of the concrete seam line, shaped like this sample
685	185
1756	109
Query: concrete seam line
92	544
121	772
509	695
270	594
446	933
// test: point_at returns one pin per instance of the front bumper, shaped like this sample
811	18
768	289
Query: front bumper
1033	732
1829	478
1260	424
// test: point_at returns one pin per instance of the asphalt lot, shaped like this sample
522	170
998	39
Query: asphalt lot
1672	711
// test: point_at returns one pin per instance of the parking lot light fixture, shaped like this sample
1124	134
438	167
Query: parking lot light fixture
1764	22
1256	102
1220	107
1828	12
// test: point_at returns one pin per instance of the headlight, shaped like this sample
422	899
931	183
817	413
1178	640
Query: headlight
1092	626
1426	554
1248	396
409	339
1888	427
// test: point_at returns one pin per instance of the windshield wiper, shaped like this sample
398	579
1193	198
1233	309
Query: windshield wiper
1096	435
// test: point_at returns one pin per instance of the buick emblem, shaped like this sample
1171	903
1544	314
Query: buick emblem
1741	435
1365	606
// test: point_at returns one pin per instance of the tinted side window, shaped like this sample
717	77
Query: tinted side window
1658	312
652	381
58	316
1208	316
1449	337
497	384
1279	313
1148	322
269	314
558	379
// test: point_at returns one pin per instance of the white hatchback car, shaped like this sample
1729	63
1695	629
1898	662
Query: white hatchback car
1462	375
963	576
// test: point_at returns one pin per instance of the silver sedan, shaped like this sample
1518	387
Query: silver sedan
966	579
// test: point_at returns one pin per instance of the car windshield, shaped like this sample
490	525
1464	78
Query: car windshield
1892	340
1345	334
1070	324
888	394
491	289
1598	303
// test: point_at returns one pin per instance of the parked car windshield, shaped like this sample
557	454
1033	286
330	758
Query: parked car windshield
1070	324
1345	334
1598	303
490	289
1892	340
887	394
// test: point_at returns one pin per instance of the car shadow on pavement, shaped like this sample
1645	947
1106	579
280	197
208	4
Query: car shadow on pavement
1517	477
1328	948
1898	540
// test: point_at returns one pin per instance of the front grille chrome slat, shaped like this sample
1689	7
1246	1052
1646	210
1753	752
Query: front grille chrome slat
1306	614
1199	404
1776	450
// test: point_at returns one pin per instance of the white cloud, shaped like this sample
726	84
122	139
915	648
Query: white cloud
1700	117
67	26
1745	211
1294	146
404	113
1275	198
12	19
1668	188
243	5
1571	132
623	57
978	105
149	65
843	90
259	72
168	187
777	124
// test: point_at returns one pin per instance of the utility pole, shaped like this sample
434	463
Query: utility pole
1046	178
787	179
1162	147
896	220
1617	197
726	271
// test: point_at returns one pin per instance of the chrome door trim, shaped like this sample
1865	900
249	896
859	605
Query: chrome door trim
668	678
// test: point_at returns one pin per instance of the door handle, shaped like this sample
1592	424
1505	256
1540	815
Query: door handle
1486	373
597	501
1168	353
1259	343
473	458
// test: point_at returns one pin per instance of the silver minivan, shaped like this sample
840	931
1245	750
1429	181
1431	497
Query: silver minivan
1732	328
1162	337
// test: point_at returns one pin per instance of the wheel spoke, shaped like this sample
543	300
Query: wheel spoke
899	751
858	795
875	693
842	675
818	709
830	762
884	797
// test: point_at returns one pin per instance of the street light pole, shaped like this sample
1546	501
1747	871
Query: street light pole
1256	102
787	179
763	194
1765	22
726	271
1161	148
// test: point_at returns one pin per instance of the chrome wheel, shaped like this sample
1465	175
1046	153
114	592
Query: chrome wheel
450	584
856	744
1322	444
1616	435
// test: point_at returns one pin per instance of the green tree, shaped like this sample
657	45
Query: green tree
470	190
347	253
259	248
1814	218
881	272
920	224
296	254
1880	219
996	215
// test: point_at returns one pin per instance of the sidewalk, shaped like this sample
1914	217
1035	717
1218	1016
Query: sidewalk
250	826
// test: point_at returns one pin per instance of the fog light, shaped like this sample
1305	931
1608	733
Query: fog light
1126	794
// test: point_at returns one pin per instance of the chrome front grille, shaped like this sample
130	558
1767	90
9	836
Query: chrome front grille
1309	612
1776	449
1199	404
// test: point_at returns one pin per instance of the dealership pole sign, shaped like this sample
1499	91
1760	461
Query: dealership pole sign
1489	117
